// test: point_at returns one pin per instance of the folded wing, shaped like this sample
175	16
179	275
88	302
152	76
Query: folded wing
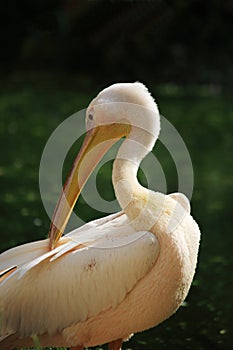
92	270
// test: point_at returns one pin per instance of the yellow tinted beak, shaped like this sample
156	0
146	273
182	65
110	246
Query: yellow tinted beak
96	143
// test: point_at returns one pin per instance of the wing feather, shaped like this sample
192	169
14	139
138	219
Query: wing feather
182	200
81	281
22	254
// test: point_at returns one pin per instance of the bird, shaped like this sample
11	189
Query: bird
114	276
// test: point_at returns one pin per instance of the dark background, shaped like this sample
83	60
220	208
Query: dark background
156	41
56	55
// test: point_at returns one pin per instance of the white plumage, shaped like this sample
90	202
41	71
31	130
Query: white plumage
113	276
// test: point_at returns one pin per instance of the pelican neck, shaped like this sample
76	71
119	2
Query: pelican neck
125	168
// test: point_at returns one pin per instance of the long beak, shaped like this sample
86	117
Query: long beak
96	143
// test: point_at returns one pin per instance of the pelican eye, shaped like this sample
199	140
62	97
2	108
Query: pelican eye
90	116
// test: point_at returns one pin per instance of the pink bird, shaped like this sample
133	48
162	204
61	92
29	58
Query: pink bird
115	276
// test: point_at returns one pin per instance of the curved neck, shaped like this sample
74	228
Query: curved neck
125	183
128	191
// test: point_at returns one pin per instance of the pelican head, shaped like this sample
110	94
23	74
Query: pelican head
121	110
124	103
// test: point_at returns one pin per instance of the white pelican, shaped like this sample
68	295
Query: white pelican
114	276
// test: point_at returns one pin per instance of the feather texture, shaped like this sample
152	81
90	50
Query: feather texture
114	276
86	276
